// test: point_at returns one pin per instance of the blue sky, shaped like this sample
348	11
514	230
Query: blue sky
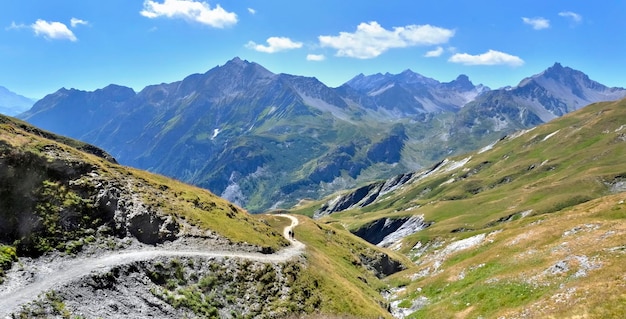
49	44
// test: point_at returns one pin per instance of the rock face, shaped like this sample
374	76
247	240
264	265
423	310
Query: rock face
389	149
368	194
381	264
130	216
376	231
50	197
385	232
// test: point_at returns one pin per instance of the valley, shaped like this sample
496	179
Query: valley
404	159
514	212
86	237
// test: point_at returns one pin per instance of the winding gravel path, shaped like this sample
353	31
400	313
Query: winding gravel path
73	270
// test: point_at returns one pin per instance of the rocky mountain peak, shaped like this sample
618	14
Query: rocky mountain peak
410	77
114	92
556	66
578	82
462	83
236	75
557	71
237	60
408	73
365	83
239	66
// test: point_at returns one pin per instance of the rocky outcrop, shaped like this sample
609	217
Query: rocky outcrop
50	198
385	232
130	216
368	194
362	196
381	264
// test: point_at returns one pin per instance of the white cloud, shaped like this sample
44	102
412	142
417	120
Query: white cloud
252	11
434	53
53	30
200	12
275	44
577	18
491	57
75	21
537	23
371	39
315	57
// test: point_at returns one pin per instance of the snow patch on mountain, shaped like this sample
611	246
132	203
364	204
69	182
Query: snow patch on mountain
381	90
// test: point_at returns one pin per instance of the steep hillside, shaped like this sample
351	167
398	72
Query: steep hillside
52	192
97	239
531	225
264	140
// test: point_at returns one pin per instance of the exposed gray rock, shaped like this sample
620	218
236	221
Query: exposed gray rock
401	312
131	216
582	264
409	227
381	265
368	194
154	289
385	232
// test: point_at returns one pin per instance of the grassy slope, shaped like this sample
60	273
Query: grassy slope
562	264
332	282
559	176
334	264
197	206
583	151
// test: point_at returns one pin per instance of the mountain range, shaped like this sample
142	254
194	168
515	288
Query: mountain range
12	103
266	140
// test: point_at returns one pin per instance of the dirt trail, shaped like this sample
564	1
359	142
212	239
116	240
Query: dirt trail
75	269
